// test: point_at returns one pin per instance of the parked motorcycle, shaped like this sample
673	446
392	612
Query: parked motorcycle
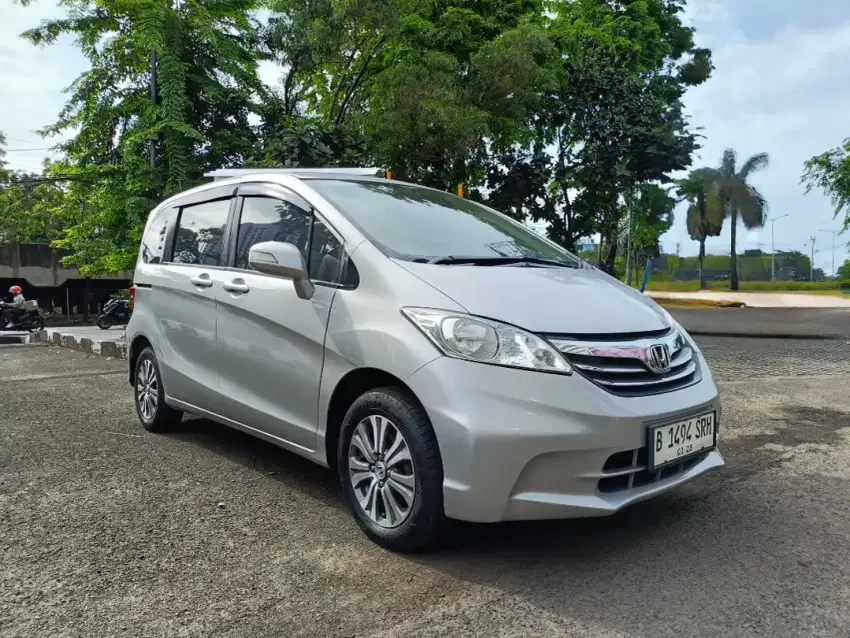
115	313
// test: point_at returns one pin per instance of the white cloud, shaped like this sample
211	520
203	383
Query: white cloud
33	79
787	96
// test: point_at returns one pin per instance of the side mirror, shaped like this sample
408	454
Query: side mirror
281	259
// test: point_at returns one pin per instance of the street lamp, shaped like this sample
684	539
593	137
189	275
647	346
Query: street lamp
773	248
833	233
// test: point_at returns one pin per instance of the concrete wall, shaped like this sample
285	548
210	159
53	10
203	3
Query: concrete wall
39	265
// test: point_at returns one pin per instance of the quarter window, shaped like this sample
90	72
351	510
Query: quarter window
200	233
325	253
153	243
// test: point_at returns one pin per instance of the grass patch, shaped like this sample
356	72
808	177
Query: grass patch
819	287
668	302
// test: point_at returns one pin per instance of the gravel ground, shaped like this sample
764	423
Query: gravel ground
106	530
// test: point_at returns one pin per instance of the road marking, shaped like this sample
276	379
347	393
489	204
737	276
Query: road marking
69	375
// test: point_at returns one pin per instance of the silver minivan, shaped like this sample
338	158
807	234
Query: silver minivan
445	361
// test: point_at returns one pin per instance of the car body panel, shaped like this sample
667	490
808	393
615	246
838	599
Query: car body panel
544	299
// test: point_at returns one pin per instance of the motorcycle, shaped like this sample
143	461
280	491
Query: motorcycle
30	320
115	312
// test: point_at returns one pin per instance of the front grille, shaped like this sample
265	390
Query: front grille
627	470
621	365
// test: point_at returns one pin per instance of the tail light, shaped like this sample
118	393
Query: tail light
132	295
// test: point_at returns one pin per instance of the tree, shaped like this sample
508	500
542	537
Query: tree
705	213
843	271
830	172
741	201
652	216
207	88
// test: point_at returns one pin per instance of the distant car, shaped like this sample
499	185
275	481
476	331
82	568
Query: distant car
444	360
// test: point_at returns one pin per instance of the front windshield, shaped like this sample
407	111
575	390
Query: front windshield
420	224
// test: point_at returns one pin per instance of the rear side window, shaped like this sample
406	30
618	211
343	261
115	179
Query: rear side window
270	219
200	233
153	243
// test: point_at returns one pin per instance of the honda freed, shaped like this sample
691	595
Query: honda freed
445	361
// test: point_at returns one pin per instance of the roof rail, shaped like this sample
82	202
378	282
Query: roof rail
224	173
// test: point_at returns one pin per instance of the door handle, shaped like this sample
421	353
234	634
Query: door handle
201	281
237	285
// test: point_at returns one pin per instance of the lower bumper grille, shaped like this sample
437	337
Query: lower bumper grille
629	470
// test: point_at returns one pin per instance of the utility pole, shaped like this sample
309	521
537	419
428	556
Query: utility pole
773	249
812	262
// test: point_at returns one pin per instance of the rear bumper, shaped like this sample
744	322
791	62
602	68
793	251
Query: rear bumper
521	445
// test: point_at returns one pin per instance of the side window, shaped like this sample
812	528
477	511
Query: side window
153	243
325	254
200	233
270	219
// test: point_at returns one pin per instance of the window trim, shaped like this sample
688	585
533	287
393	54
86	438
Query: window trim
276	191
171	238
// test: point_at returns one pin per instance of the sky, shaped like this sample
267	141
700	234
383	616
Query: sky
781	85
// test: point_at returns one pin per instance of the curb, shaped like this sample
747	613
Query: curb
112	349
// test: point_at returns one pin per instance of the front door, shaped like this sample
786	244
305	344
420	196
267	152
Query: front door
270	341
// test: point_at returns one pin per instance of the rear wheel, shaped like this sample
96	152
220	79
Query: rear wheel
391	471
149	395
36	325
104	322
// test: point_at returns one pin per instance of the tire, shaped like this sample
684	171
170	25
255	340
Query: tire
104	322
149	395
422	525
36	325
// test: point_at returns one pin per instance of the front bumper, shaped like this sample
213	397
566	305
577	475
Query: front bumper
520	445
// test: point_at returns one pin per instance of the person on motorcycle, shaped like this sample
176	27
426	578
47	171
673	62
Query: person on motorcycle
13	310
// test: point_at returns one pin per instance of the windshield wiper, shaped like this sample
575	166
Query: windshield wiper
502	261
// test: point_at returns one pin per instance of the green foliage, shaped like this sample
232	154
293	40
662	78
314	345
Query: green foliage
843	271
705	213
830	172
207	88
550	110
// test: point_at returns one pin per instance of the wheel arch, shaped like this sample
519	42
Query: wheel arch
139	343
354	384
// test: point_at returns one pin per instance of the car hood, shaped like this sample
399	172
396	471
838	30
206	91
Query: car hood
546	300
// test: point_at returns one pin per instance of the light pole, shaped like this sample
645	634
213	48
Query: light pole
773	249
833	233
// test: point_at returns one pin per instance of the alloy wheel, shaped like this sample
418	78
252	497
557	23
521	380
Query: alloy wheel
381	471
147	390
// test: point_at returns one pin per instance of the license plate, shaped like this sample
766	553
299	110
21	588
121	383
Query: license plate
672	442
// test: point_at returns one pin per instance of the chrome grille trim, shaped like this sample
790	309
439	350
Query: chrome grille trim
622	365
690	369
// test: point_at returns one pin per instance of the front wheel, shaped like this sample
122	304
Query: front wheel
391	471
149	394
104	322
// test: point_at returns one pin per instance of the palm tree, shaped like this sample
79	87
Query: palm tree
701	188
740	199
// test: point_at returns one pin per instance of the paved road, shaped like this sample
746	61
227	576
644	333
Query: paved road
811	322
106	530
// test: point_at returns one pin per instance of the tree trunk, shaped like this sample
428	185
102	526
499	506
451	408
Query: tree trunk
702	285
611	257
733	261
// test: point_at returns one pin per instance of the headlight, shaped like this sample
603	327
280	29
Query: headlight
486	341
